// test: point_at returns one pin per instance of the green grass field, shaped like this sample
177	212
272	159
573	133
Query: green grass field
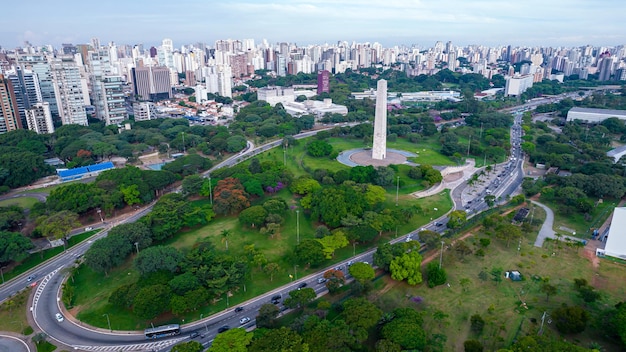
500	304
23	202
13	313
577	221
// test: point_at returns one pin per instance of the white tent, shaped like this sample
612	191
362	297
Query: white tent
616	240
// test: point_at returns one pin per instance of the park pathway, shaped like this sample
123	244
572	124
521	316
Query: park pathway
546	230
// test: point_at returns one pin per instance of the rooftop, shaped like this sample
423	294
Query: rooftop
599	111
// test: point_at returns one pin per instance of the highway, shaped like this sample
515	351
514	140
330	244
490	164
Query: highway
46	301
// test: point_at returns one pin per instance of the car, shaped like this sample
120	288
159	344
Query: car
238	309
366	263
276	299
302	285
223	328
244	320
30	278
408	239
321	280
438	224
59	317
350	262
194	335
88	228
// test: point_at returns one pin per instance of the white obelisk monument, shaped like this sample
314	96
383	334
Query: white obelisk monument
379	148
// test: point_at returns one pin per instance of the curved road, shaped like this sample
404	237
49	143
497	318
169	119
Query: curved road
47	302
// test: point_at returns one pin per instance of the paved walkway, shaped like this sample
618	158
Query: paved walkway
546	230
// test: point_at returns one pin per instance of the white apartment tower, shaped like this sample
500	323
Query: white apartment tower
39	118
68	90
220	80
112	88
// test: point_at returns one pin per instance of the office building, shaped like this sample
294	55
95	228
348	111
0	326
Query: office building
151	83
9	114
516	85
275	95
68	89
39	118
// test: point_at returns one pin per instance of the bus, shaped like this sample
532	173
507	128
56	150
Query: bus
162	331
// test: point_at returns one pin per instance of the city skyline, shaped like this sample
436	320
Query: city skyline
392	22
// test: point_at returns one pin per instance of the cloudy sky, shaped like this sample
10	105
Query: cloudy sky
390	22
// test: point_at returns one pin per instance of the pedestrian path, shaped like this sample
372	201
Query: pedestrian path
546	230
148	346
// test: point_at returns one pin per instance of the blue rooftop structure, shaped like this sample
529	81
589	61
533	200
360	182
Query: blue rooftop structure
80	172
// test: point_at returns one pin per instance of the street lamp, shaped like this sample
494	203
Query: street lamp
298	226
137	247
99	211
295	271
2	273
184	143
441	254
205	327
108	321
210	190
397	190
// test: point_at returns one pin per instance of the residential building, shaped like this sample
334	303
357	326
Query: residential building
151	83
9	113
517	84
323	82
40	66
39	118
114	107
26	90
144	111
68	89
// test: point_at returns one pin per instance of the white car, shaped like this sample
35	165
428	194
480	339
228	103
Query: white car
243	320
59	317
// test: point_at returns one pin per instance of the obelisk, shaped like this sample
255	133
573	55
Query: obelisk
379	148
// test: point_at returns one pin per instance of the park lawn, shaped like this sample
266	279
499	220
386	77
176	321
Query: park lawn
500	303
577	222
92	300
13	313
23	202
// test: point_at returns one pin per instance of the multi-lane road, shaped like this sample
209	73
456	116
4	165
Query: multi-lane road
72	333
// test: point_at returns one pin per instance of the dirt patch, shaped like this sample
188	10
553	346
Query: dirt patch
453	176
590	252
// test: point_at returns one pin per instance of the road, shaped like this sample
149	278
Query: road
47	303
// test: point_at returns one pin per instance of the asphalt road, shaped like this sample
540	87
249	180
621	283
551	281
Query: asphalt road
47	303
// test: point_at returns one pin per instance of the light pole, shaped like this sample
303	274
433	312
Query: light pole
227	304
397	190
99	211
210	190
441	255
298	226
137	247
284	155
205	327
108	321
2	273
184	143
295	271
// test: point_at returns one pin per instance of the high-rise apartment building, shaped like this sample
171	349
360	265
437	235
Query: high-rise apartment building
68	89
39	118
9	114
112	88
26	90
151	83
39	65
220	80
323	82
144	111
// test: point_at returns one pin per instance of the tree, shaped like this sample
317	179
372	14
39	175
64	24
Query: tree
299	298
319	148
465	282
158	258
131	194
456	219
13	246
253	216
190	346
362	272
477	324
282	339
58	225
436	275
619	320
310	252
570	319
192	184
549	290
387	346
229	197
333	242
360	313
473	346
233	340
271	269
267	316
224	234
405	329
304	185
335	279
151	301
407	266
